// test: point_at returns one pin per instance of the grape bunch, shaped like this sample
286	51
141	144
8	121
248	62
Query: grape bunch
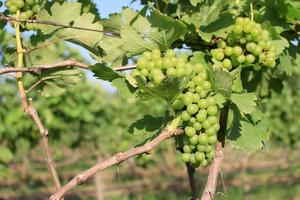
195	105
153	67
247	43
199	114
27	8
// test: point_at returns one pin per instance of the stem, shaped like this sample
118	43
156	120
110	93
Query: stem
20	64
29	108
211	184
191	173
251	10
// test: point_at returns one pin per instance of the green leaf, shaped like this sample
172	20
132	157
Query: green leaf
198	57
168	90
124	87
102	71
144	34
69	14
245	102
221	80
5	154
288	61
55	82
168	30
251	137
147	124
219	28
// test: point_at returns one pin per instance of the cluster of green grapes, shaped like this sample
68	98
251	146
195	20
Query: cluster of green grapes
153	67
247	43
27	8
196	105
199	114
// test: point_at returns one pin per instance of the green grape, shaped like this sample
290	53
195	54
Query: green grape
203	103
209	148
147	55
193	159
198	68
216	127
206	124
239	21
237	29
247	28
180	72
212	119
8	4
185	157
170	53
210	155
201	116
144	72
211	101
13	9
197	126
243	40
212	139
192	120
237	50
227	64
203	163
30	2
196	97
228	51
218	54
167	63
189	131
142	63
250	58
187	149
221	44
206	85
257	50
251	47
210	131
177	104
20	4
201	147
202	138
187	99
212	110
255	32
171	72
199	156
185	116
241	59
194	139
158	63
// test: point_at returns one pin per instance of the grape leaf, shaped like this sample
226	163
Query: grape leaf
245	102
219	28
69	14
155	31
102	71
55	82
124	87
251	137
167	90
147	124
221	80
167	29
